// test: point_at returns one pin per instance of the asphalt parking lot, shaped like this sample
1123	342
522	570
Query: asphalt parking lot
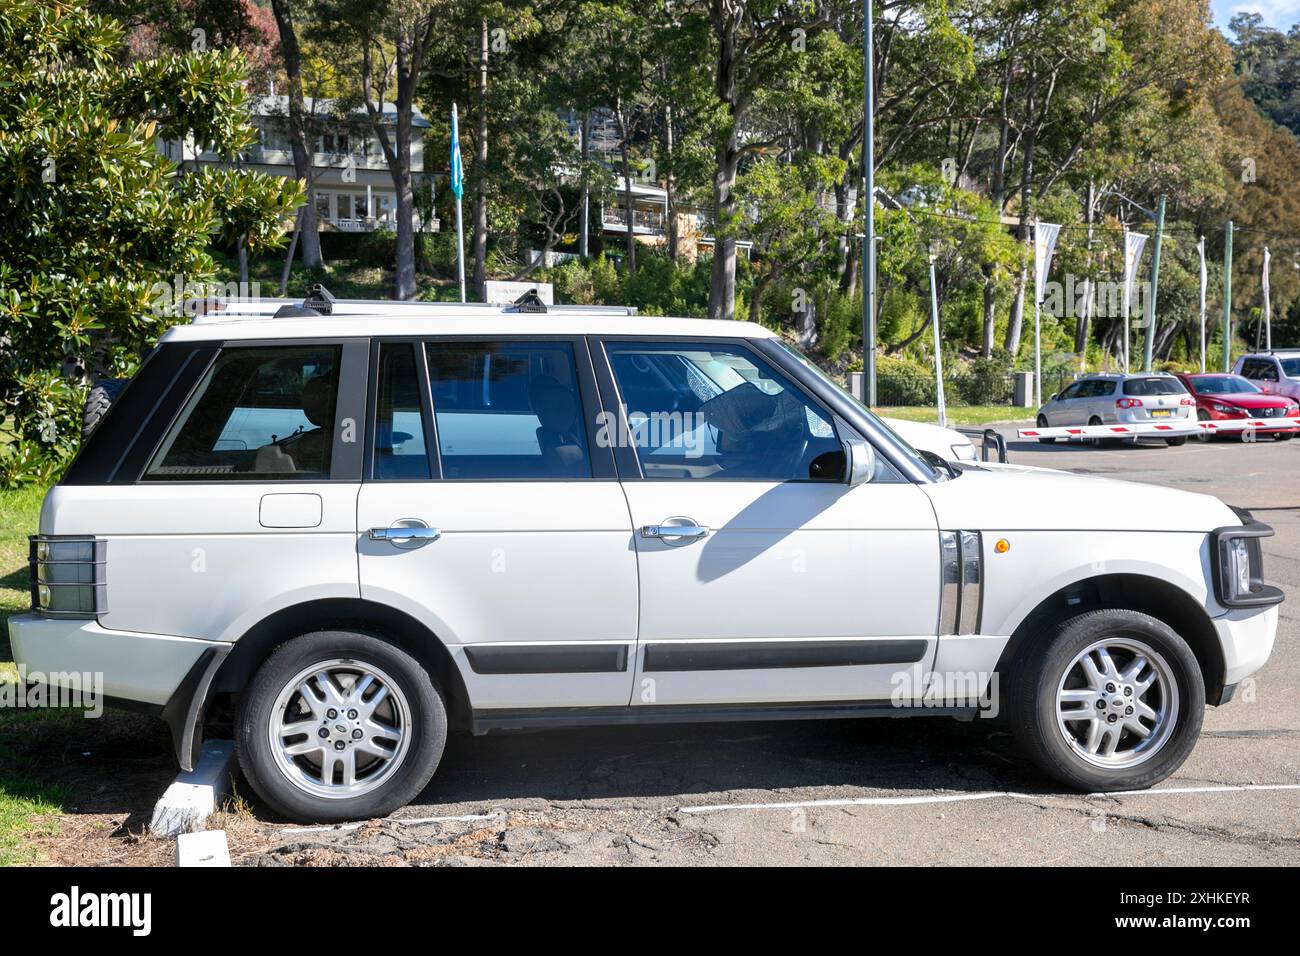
922	791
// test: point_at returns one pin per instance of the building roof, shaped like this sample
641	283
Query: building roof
278	105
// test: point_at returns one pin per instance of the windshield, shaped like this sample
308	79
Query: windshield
889	433
1223	385
1291	367
1153	386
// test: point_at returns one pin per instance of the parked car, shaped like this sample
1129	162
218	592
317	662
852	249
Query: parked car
1277	372
346	533
1120	399
947	443
1226	397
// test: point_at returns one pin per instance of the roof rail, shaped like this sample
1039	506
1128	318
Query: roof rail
322	303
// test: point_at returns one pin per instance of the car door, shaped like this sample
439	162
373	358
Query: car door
246	477
490	514
764	578
1065	410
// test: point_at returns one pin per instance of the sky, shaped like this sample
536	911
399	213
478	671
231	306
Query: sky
1276	13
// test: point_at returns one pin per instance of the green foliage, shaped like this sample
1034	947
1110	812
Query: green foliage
99	228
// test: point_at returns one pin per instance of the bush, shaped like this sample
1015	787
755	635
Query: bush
986	381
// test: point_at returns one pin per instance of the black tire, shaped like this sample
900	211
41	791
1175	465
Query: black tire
1098	442
1042	423
428	727
1283	436
1175	442
102	396
1033	705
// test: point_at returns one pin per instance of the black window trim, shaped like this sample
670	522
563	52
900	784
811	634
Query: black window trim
420	356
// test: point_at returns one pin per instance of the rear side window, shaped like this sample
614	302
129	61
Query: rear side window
1153	386
508	410
258	414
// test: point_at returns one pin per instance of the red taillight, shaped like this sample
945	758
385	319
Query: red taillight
1187	401
1128	403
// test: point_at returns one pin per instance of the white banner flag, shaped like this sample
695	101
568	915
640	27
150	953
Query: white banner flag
1044	243
1200	248
1268	306
1133	243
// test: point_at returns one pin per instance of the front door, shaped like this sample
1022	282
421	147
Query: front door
764	577
491	515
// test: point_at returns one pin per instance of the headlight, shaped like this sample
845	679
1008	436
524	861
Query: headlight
964	452
1238	565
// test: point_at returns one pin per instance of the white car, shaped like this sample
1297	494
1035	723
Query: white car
1277	372
1122	399
350	531
947	443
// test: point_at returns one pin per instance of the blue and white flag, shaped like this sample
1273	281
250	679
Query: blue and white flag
457	171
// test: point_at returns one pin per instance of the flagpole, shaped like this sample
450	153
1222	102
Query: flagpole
458	189
1268	307
1200	248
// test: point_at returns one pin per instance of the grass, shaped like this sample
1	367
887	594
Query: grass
961	414
27	807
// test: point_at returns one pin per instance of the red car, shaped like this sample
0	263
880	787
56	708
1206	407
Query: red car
1222	397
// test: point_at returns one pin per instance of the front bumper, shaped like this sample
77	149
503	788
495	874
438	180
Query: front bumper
171	674
1246	636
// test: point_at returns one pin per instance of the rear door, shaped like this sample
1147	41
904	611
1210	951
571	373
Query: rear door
764	577
244	503
491	514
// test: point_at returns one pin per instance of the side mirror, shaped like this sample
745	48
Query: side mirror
861	462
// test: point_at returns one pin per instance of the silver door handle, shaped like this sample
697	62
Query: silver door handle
404	534
673	531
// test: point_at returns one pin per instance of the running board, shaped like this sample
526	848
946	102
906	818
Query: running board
548	718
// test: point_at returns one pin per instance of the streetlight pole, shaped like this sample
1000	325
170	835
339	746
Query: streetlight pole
1227	299
1155	282
869	205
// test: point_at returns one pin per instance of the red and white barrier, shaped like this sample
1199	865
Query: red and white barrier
1162	429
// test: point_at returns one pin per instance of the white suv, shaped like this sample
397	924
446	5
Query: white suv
348	532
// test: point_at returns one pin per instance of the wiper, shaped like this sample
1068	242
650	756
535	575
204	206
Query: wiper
939	463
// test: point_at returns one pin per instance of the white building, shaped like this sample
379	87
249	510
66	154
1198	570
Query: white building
354	190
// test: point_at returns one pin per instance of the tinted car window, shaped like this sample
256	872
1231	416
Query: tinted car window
1073	391
1291	367
1223	385
508	410
258	414
711	411
1153	386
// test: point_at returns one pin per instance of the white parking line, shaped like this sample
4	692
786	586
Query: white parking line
964	797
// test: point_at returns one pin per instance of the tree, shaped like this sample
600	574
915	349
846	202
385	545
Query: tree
382	46
99	229
291	57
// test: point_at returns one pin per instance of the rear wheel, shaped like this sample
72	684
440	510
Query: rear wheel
1283	436
1098	442
338	725
1175	442
1112	700
1042	423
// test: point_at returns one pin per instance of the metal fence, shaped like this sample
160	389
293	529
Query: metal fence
903	388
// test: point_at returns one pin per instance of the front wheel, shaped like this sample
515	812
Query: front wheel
1111	700
1175	442
1042	423
338	725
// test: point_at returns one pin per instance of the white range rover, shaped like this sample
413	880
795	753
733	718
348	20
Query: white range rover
347	527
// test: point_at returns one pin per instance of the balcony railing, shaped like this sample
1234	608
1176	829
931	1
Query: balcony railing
644	221
370	224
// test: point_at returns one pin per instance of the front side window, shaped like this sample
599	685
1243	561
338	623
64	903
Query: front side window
1291	367
711	411
508	410
258	414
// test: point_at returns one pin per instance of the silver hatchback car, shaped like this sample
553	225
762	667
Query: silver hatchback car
1118	399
